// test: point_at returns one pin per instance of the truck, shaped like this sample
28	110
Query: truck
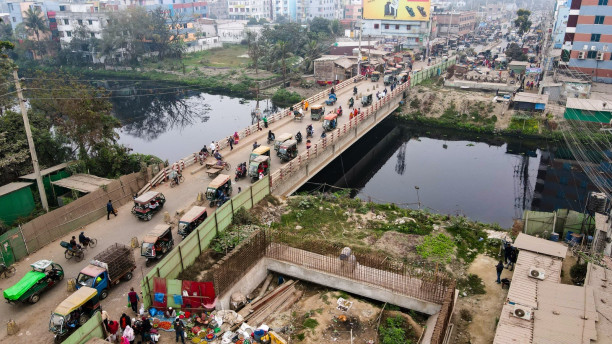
44	275
107	269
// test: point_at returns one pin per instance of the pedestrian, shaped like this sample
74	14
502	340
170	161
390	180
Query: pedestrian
113	328
513	256
110	209
507	250
179	329
105	319
133	300
124	321
239	189
230	140
255	145
236	138
145	328
500	268
128	335
265	121
212	147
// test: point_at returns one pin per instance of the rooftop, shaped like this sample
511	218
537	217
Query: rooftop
46	171
550	248
589	104
600	279
82	182
512	330
531	98
519	63
523	289
8	188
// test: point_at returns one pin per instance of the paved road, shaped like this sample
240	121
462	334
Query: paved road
33	319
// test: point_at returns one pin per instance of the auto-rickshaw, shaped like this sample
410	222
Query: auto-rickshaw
148	204
402	78
259	164
280	139
316	112
330	121
388	79
288	150
44	275
261	150
191	220
366	100
157	242
219	190
74	312
375	76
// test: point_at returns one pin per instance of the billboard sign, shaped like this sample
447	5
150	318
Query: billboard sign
418	10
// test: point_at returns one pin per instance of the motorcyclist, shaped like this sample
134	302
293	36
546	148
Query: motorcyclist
298	137
351	102
218	156
174	176
271	136
83	240
309	130
355	90
340	110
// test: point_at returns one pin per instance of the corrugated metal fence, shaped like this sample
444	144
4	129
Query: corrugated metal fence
195	243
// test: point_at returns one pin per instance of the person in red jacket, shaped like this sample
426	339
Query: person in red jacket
113	327
124	321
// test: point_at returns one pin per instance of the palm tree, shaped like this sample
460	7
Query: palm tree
35	23
313	52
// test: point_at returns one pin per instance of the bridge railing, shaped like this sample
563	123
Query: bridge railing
333	136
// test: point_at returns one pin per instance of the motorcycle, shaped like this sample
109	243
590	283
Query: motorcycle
176	181
309	131
241	171
298	137
202	157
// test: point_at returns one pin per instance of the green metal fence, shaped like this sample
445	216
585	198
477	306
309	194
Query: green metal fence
198	241
437	69
93	328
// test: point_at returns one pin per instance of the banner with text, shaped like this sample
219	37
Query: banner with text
396	10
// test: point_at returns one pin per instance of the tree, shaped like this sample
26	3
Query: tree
81	49
313	52
35	23
256	49
282	50
78	111
522	22
515	52
336	27
319	24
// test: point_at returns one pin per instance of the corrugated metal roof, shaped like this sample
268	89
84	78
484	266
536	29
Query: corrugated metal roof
82	182
527	242
565	315
600	279
525	97
595	105
46	171
512	330
10	187
600	222
523	289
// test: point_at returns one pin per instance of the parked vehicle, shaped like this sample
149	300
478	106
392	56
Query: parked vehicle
157	242
316	112
366	100
6	271
77	252
331	100
191	220
107	269
219	190
288	150
74	312
261	150
44	275
148	204
280	139
330	121
375	76
259	164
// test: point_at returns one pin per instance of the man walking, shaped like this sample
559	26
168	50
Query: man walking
230	140
179	329
133	300
110	209
500	268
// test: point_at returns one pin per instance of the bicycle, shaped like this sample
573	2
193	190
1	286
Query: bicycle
92	243
7	271
173	182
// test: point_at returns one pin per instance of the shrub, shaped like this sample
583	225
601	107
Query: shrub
471	285
465	315
393	332
310	323
438	248
243	217
283	98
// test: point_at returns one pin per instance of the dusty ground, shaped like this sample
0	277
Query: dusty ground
485	309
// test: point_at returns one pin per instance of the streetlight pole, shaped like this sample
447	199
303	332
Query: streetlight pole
26	123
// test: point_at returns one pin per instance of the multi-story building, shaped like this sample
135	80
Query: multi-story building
589	37
218	9
456	23
72	17
562	9
328	9
353	12
246	9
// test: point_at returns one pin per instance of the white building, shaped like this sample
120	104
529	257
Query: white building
71	17
246	9
235	31
413	33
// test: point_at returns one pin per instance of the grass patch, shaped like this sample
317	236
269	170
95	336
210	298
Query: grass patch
394	331
310	323
525	124
469	238
226	57
471	285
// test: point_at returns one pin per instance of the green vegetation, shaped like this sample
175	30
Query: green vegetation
437	248
393	331
469	238
310	323
471	285
525	124
285	98
226	57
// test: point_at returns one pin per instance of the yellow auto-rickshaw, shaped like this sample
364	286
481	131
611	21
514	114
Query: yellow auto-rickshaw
316	112
261	150
375	76
74	312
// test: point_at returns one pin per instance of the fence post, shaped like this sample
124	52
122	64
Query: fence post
216	225
232	206
199	243
251	190
181	258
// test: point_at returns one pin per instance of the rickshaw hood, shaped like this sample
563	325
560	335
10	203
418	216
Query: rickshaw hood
75	300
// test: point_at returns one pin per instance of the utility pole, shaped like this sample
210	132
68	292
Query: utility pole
359	55
26	123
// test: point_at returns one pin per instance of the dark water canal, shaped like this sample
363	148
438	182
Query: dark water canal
485	179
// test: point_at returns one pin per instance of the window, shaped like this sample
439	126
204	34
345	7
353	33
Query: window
397	27
603	3
80	21
376	26
66	22
62	8
90	21
408	27
599	19
93	35
595	37
386	26
14	19
592	54
68	33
